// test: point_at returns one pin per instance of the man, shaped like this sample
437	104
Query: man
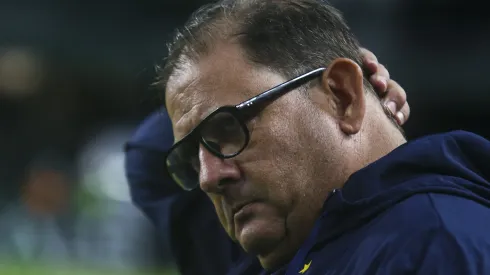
312	176
183	216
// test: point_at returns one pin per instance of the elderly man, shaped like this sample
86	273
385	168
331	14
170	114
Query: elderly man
307	171
182	216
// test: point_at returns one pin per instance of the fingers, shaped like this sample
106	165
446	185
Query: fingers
392	94
380	79
369	60
379	75
396	101
403	115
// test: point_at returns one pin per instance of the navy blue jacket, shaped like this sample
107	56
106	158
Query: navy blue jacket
422	209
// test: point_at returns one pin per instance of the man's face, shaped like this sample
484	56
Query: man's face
268	197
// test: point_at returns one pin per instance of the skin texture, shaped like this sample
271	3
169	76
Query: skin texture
301	147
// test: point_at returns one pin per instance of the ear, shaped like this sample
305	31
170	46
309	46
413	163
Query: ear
343	80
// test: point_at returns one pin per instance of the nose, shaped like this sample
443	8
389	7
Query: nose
214	171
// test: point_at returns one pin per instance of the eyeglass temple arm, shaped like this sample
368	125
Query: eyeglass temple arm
281	89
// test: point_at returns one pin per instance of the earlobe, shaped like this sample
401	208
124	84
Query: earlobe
344	80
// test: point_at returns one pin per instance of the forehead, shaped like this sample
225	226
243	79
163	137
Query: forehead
222	77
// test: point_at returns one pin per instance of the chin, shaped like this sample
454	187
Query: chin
276	260
262	238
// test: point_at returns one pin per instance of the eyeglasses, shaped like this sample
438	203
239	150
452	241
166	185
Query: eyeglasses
223	133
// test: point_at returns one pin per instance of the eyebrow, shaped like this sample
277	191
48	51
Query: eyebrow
189	122
186	123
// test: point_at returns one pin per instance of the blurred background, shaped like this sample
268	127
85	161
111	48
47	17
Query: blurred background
74	84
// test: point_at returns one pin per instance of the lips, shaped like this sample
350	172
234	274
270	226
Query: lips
239	206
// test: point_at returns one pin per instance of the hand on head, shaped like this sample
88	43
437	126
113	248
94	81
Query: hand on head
392	94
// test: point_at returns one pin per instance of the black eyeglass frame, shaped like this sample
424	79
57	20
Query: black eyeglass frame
239	110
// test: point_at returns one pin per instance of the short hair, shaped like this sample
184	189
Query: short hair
290	37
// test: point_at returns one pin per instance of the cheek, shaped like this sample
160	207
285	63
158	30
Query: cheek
271	163
289	161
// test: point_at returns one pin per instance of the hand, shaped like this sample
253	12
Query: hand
392	94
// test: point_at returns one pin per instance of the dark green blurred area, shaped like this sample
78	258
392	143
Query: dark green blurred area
40	269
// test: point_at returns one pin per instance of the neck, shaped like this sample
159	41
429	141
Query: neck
383	137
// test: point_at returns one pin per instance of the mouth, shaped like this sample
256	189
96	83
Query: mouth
239	206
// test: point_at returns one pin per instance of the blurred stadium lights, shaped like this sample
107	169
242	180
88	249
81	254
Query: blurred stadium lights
21	72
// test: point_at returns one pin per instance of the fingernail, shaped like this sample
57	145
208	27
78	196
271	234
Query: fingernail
400	116
391	106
